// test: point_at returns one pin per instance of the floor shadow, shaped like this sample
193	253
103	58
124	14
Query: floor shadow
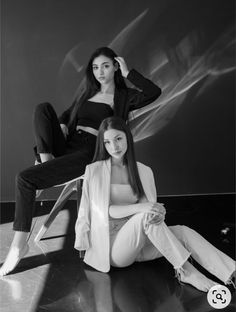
71	285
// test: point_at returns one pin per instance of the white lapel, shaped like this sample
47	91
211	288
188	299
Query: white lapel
106	182
148	182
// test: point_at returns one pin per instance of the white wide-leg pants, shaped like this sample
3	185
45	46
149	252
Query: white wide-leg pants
134	240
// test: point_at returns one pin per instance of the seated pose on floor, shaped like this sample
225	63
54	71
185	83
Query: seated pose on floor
120	222
66	145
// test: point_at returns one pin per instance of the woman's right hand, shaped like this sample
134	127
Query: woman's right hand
64	130
155	212
154	208
123	66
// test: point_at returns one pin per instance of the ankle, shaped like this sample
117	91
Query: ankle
18	250
20	239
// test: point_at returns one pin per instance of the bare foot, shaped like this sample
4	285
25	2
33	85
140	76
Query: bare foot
191	275
13	258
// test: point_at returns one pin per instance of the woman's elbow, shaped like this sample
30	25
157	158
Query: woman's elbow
111	212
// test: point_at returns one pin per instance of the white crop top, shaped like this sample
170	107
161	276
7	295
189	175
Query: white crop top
122	194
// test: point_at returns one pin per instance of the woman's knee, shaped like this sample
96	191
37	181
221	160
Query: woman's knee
19	178
139	218
42	108
22	179
137	223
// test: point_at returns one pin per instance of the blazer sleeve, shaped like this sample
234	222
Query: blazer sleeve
148	182
152	185
82	226
147	93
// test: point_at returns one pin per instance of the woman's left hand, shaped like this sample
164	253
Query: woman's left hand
123	66
157	214
156	219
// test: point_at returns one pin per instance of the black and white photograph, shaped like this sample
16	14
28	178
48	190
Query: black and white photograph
117	154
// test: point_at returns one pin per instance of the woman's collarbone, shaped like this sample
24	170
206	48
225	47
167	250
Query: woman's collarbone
103	98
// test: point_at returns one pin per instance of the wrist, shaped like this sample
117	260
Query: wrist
125	73
141	207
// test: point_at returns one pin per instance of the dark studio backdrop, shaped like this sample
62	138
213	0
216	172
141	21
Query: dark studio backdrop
187	47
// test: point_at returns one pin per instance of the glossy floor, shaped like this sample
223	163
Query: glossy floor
52	277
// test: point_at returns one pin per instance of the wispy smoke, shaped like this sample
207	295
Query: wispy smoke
176	69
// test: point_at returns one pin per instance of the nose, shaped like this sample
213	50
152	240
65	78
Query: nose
115	146
101	71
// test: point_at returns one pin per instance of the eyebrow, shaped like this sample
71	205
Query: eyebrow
114	137
94	64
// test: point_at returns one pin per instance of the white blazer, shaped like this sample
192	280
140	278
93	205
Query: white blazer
92	225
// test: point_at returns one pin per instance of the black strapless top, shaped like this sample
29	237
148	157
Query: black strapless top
91	114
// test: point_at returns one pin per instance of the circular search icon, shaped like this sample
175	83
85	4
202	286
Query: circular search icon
219	296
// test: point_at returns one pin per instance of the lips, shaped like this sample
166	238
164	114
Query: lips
117	153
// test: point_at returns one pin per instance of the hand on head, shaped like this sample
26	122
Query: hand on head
122	65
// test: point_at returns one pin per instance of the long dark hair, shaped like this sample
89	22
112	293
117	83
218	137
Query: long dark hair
129	157
92	86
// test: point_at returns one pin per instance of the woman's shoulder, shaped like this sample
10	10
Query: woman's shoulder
96	164
92	169
143	167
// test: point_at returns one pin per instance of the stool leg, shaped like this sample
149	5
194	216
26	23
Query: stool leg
79	184
65	195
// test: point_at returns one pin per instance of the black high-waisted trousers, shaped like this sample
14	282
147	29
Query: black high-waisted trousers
71	158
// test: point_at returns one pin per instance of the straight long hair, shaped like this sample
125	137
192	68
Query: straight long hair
92	86
101	153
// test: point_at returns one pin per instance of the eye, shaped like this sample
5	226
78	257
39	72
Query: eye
119	139
106	142
107	66
95	67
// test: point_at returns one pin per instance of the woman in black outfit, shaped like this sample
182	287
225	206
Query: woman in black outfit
66	145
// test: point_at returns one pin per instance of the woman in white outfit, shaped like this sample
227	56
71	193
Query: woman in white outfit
120	222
